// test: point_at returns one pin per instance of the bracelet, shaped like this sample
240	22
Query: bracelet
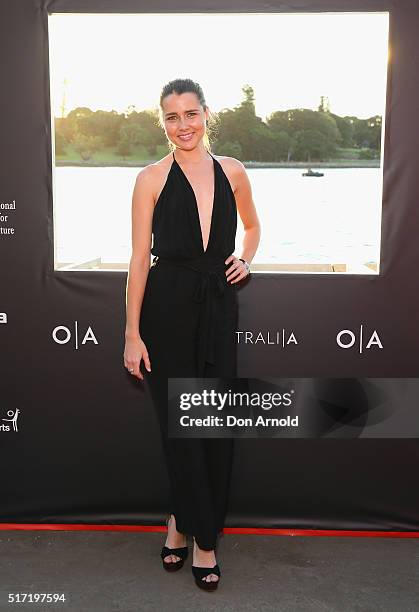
246	264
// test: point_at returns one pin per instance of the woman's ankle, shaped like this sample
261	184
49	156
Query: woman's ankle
171	525
204	550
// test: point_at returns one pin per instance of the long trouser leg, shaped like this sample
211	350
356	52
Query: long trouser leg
199	472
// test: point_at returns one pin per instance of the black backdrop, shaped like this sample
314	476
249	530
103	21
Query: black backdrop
88	448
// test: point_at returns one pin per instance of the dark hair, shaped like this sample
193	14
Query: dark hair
181	86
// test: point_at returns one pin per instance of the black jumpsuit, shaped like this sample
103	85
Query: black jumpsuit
188	322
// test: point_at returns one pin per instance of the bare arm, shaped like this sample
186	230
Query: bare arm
247	211
139	266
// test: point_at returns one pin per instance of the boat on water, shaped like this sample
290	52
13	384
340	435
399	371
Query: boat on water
311	172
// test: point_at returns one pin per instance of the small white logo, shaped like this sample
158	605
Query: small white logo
346	338
12	419
62	335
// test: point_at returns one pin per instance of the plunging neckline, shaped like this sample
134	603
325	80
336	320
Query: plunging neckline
196	203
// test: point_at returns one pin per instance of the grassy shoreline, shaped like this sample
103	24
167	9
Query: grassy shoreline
349	163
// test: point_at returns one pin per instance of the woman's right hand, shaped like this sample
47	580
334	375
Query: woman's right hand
135	350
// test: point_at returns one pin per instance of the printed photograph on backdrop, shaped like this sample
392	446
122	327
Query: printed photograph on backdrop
301	108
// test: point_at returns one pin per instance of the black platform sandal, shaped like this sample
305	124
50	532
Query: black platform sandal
173	566
200	573
182	552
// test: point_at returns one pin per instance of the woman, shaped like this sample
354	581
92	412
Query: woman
182	311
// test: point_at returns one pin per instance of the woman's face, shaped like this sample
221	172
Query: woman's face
183	115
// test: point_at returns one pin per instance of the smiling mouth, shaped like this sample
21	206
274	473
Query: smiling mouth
186	136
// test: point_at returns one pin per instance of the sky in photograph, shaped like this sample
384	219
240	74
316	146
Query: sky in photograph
109	62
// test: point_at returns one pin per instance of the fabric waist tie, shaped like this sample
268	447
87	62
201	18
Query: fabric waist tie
211	282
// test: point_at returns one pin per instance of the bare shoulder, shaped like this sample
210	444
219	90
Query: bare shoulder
154	175
155	169
233	168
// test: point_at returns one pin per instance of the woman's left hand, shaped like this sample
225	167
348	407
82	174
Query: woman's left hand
237	271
